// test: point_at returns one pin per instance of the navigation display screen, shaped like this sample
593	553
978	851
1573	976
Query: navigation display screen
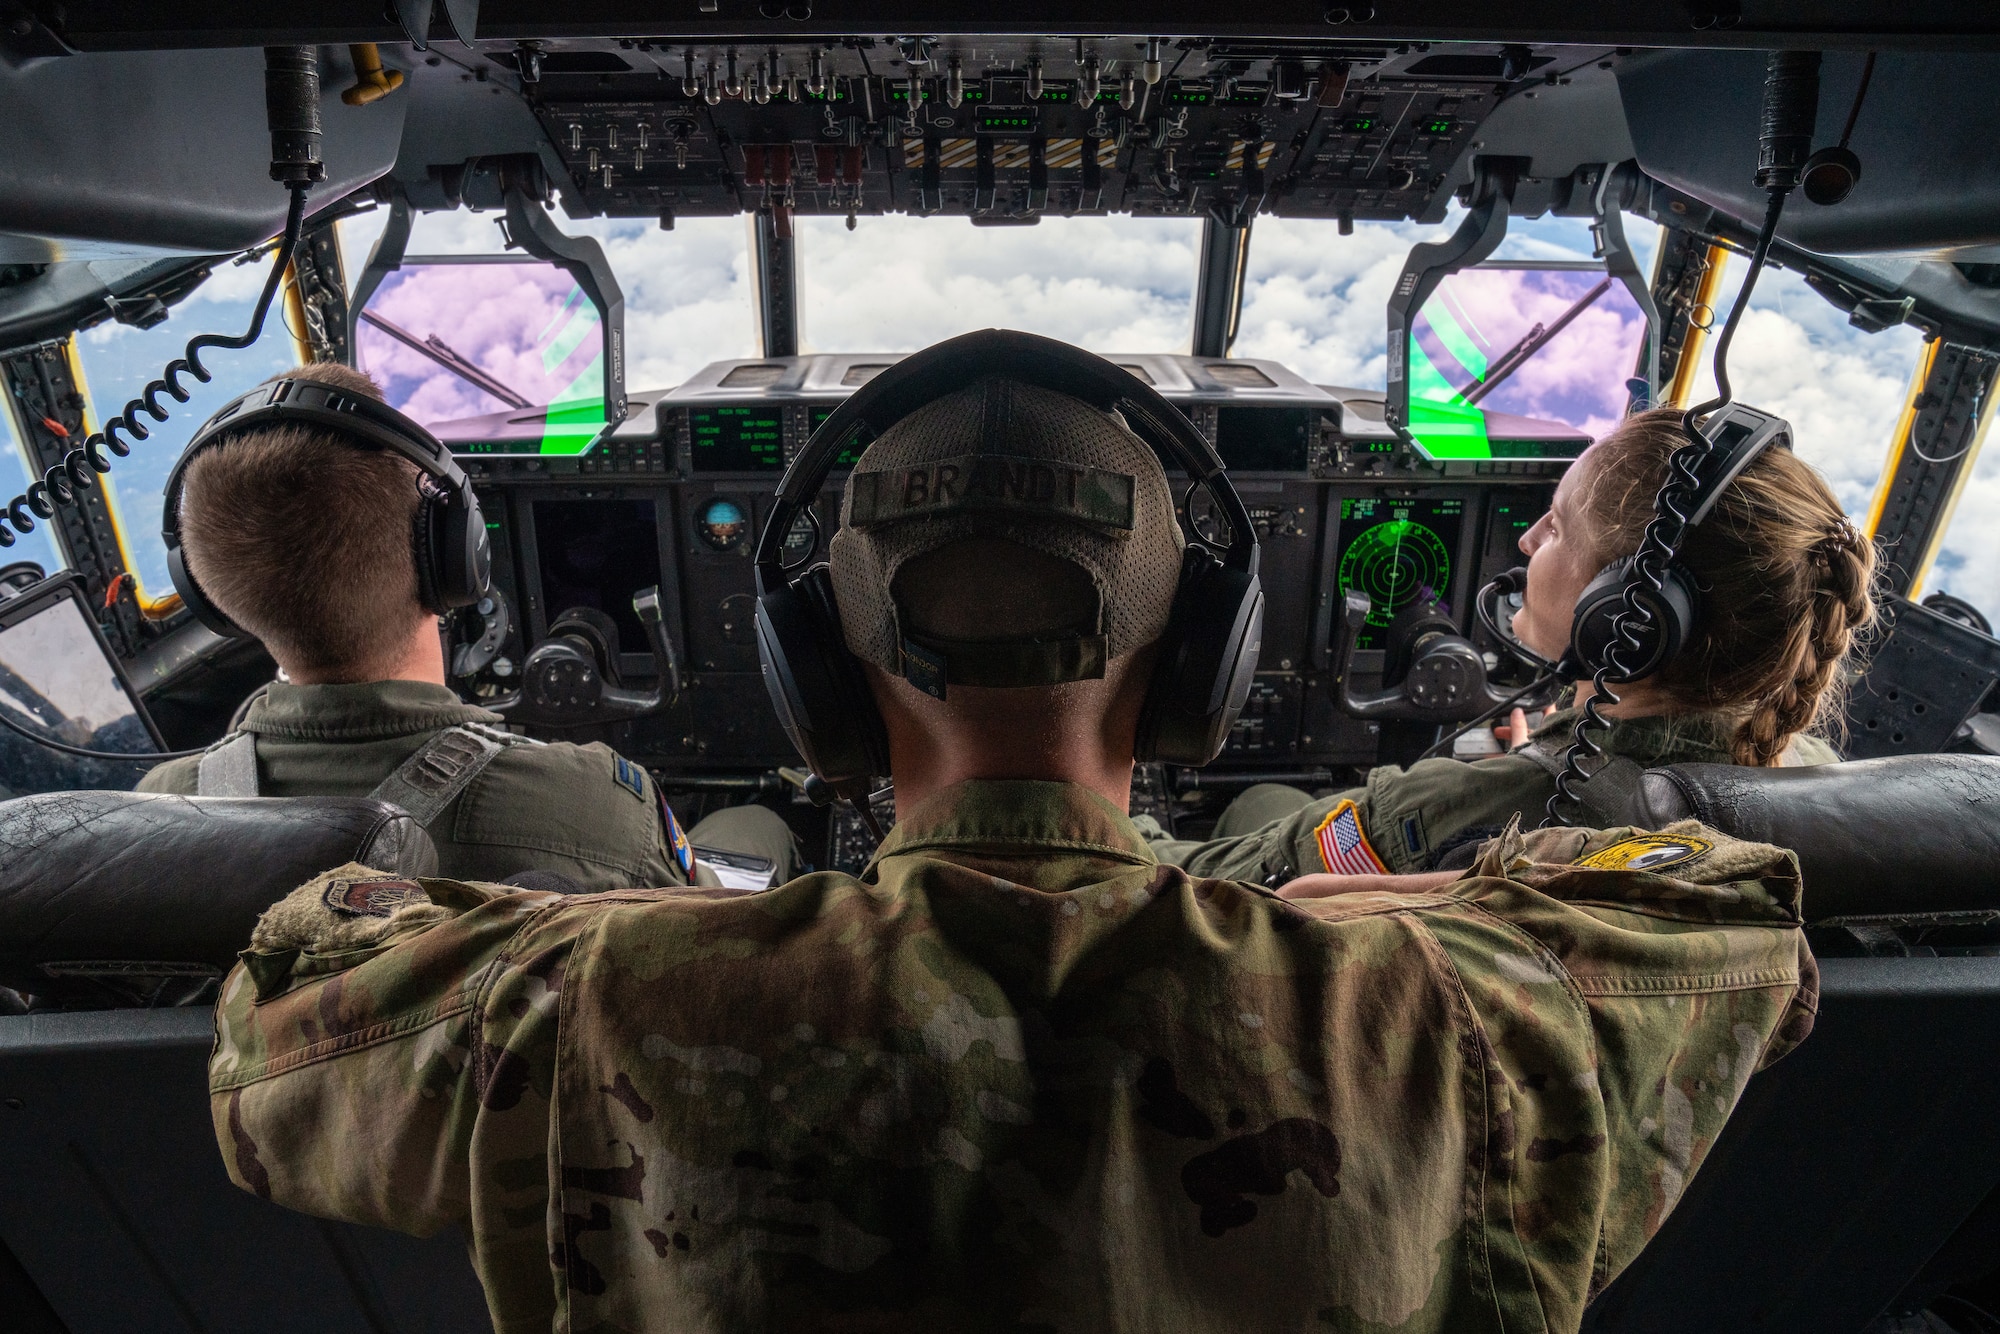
738	439
1397	552
1264	439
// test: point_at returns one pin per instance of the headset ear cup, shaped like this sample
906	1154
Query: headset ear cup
1593	623
194	599
1205	663
453	557
817	685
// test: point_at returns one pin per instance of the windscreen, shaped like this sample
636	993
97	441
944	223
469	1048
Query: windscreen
57	681
1521	362
491	356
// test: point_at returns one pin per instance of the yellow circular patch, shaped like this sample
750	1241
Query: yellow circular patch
1648	852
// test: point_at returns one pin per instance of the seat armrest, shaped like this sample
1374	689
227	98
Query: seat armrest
1902	836
127	885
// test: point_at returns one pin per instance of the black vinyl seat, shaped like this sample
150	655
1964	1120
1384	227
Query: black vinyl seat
117	1214
1855	1177
1860	1175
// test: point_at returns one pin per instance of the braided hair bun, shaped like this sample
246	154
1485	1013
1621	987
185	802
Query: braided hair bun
1784	578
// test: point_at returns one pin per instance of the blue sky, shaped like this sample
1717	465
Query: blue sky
1314	301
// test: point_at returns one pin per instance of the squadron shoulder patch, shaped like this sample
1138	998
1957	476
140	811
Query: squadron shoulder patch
1343	843
1648	852
370	898
628	776
678	841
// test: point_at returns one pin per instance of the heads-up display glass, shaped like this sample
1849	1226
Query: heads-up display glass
1521	361
491	354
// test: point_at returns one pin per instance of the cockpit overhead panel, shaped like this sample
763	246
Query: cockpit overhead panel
1005	129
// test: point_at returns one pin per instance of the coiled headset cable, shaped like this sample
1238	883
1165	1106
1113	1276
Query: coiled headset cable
1791	99
65	482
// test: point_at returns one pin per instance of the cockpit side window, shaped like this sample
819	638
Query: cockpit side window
15	474
1842	390
118	360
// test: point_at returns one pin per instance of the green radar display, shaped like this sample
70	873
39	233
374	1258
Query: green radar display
1397	551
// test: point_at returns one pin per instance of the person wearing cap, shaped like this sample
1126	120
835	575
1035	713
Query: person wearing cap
1018	1073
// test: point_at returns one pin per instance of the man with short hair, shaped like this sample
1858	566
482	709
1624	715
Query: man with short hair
1019	1074
304	537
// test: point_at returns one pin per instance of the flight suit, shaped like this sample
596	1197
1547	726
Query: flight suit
583	812
1021	1075
1405	820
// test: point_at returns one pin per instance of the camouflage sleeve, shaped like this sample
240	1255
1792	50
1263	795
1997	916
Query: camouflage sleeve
1625	986
383	1036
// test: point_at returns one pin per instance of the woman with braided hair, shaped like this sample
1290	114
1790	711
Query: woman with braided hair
1784	584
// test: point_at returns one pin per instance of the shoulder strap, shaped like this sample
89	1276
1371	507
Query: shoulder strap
229	767
442	768
1609	799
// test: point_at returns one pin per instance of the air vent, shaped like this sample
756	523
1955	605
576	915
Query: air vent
753	377
862	372
1140	372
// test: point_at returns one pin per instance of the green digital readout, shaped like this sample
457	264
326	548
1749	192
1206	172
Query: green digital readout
1247	95
1359	124
1188	95
1442	125
993	120
737	439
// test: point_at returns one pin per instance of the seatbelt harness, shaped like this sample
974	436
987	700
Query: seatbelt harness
422	785
1610	798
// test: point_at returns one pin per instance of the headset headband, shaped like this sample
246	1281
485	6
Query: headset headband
293	402
945	368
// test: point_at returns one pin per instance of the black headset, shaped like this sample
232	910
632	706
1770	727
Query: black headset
1206	658
1737	435
449	541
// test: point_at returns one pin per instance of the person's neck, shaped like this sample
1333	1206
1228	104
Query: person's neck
420	657
926	766
1639	699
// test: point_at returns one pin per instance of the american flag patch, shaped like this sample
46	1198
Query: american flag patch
1343	845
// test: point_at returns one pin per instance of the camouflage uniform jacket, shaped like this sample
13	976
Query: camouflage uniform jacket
582	811
1408	818
1019	1076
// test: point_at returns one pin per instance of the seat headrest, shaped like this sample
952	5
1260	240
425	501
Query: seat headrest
107	897
1903	836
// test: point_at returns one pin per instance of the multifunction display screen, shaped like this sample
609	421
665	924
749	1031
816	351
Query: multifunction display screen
597	554
1397	552
748	438
1264	439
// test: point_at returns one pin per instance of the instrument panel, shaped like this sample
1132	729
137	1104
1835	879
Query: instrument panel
678	494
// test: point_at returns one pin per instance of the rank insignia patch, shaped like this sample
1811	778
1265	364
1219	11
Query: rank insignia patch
628	776
371	898
678	841
1343	844
1649	852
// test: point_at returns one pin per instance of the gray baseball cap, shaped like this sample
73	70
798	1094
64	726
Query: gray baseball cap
1003	467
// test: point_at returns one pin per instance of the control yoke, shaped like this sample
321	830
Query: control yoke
1446	678
572	676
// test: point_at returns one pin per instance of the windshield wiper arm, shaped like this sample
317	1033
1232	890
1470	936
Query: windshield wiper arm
1538	338
445	355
